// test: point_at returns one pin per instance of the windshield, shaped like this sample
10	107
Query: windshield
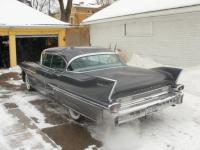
93	62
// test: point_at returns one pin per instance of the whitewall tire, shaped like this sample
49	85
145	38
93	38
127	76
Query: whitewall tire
27	83
75	115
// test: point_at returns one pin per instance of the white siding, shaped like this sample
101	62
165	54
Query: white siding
172	40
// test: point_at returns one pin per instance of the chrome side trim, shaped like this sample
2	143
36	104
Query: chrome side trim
143	93
89	54
96	69
113	88
76	97
79	112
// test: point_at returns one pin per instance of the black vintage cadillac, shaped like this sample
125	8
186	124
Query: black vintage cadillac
97	84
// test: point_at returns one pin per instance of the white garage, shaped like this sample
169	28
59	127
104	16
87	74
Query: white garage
166	31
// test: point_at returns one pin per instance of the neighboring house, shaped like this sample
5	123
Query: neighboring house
166	30
81	11
25	32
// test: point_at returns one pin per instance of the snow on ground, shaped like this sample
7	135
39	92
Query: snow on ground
175	128
143	62
191	79
5	121
13	134
22	100
15	82
16	69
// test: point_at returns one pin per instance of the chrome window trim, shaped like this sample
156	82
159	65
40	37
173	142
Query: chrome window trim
113	88
89	54
95	69
51	61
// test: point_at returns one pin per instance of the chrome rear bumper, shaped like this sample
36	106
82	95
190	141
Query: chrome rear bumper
135	112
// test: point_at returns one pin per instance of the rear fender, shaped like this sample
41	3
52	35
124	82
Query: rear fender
173	72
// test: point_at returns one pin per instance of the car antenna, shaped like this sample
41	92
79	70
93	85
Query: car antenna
115	49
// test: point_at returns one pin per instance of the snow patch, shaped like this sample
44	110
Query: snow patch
92	147
16	69
5	121
15	82
144	62
126	137
190	77
22	100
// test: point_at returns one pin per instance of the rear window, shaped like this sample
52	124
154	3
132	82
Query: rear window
93	62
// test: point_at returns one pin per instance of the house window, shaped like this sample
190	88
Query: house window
138	29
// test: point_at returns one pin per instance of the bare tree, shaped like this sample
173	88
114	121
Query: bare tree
27	2
65	10
40	5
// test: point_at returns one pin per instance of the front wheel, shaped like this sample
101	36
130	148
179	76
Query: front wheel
27	83
75	115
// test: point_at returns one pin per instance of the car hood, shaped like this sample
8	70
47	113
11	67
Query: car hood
132	80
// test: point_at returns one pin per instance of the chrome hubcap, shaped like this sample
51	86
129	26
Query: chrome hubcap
27	83
74	114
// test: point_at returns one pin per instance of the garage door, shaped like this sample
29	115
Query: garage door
29	48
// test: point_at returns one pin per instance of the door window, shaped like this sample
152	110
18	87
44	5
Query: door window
58	63
46	60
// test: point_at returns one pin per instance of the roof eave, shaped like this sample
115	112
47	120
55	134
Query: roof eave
35	26
146	14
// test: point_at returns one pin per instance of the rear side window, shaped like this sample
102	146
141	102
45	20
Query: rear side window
46	60
58	62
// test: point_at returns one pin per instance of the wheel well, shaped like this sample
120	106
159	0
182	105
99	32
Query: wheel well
23	76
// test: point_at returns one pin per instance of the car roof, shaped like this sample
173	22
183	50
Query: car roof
70	52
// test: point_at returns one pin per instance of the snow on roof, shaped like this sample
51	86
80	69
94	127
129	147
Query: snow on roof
17	14
133	7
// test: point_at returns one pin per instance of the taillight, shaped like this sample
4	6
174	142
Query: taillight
114	108
179	87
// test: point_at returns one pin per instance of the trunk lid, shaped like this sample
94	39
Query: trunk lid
133	80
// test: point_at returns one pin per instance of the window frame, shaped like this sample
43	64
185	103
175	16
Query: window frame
64	69
85	55
41	60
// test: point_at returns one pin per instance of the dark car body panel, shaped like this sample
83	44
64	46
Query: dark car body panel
91	92
131	79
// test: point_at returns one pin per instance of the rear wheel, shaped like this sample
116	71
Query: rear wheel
75	115
27	83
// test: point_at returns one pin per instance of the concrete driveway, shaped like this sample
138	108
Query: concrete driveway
37	122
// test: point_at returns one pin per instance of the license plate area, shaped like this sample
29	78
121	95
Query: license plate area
151	109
